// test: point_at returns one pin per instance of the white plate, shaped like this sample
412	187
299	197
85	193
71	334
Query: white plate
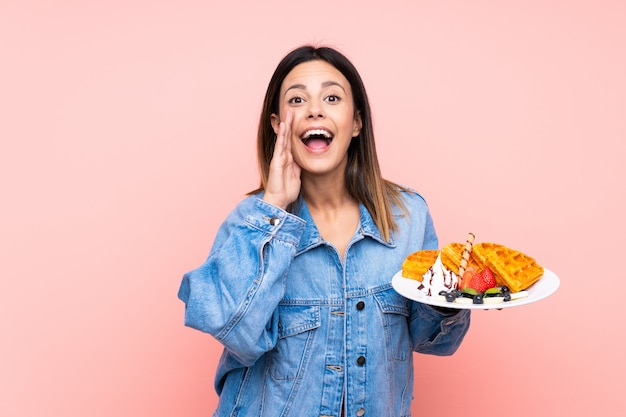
541	289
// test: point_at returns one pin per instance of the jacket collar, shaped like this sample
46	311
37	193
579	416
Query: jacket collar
311	236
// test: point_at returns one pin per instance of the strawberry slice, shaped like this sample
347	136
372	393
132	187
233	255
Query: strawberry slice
469	275
483	281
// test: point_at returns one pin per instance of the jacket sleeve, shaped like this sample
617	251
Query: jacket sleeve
437	333
234	294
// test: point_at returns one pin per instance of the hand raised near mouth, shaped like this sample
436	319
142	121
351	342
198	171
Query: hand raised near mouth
283	182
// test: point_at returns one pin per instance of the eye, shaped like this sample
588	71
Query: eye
333	98
295	100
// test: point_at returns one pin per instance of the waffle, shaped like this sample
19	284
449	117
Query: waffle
417	264
510	267
451	256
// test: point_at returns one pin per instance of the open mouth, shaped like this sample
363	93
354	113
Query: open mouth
317	138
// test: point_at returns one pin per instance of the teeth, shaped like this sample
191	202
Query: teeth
318	132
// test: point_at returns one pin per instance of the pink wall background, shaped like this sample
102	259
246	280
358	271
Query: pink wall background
127	134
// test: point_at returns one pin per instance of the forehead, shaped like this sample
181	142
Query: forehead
314	74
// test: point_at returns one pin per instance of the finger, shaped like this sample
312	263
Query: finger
281	135
279	145
287	122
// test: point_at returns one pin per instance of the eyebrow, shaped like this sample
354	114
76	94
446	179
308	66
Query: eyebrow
324	84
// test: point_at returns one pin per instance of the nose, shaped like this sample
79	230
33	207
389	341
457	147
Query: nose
315	111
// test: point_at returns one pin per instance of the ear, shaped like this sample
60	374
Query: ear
357	125
275	121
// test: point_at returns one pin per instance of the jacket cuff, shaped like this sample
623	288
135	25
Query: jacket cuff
276	222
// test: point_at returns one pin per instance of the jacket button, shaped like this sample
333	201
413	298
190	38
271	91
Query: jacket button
360	412
274	221
360	360
360	305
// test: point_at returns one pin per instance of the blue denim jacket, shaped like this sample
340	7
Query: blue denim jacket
303	329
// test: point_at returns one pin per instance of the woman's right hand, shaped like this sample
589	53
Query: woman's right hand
283	182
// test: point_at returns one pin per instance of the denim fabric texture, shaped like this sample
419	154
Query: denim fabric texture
304	329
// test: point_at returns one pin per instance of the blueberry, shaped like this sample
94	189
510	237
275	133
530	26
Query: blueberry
443	292
507	296
478	299
450	297
505	289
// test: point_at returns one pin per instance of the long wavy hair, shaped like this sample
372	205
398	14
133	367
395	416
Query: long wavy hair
364	181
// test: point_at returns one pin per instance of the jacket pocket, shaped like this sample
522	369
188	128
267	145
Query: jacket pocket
296	331
395	317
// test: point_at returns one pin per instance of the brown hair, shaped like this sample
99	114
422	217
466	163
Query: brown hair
364	181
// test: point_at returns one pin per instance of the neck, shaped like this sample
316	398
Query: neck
325	192
334	211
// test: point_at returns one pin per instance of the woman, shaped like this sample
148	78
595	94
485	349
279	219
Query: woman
297	285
